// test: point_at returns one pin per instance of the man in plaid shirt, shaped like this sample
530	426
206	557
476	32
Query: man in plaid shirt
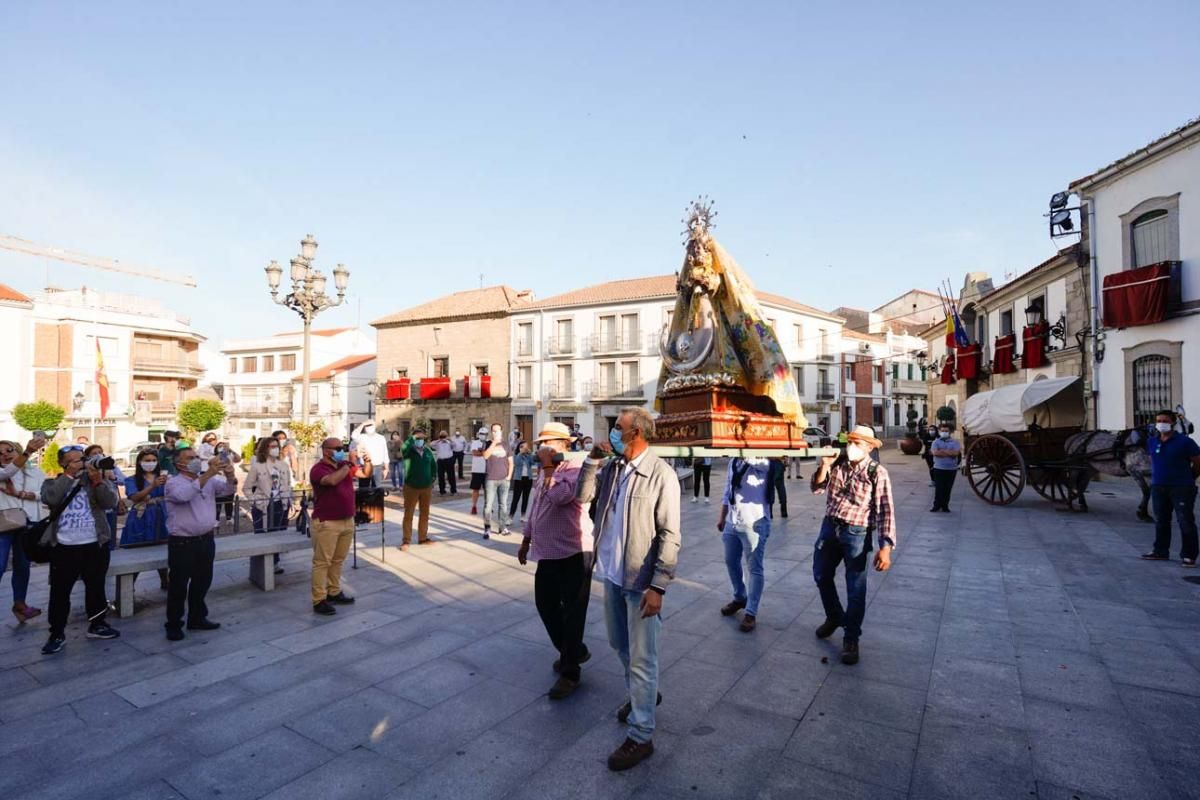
858	504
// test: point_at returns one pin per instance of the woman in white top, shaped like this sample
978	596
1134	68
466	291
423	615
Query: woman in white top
268	487
19	492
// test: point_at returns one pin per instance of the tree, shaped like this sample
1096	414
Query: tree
40	415
307	436
200	415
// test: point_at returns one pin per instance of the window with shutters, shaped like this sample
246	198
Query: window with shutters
1150	232
287	362
1151	387
1149	235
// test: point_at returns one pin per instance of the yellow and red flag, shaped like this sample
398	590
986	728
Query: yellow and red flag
949	331
101	381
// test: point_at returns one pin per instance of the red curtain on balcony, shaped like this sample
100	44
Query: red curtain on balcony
948	369
1002	361
434	388
1034	354
967	360
1137	296
397	389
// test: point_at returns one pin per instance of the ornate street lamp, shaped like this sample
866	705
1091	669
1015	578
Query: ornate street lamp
307	298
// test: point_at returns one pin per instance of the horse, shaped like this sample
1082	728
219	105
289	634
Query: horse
1119	454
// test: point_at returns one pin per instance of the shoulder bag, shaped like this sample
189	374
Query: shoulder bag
31	537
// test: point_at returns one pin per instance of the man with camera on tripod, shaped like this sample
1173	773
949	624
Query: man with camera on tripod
78	540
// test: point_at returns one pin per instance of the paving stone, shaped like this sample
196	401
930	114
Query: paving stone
124	770
868	700
1067	677
251	769
357	773
436	680
792	780
486	767
870	753
342	655
780	683
334	630
958	758
81	686
344	724
978	691
406	658
179	681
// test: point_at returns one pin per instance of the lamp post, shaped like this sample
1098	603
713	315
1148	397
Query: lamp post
307	298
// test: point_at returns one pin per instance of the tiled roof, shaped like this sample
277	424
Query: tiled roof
849	333
322	332
472	303
656	287
1184	131
1071	251
341	365
11	295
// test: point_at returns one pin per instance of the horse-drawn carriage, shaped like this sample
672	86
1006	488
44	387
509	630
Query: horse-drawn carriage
1019	434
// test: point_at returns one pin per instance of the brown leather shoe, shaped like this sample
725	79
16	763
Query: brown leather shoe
427	541
624	711
827	628
748	623
629	755
849	653
563	687
732	607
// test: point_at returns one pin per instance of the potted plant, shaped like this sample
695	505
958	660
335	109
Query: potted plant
947	414
911	444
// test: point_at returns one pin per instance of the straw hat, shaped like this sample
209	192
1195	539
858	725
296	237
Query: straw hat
865	434
553	430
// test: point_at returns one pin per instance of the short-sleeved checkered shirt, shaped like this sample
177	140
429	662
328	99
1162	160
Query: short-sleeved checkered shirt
848	497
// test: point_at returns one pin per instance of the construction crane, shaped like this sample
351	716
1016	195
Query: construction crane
110	264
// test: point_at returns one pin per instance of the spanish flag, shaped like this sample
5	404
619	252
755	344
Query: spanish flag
950	330
101	380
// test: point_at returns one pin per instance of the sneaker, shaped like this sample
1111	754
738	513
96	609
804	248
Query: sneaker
732	607
203	625
557	665
174	634
695	499
341	599
629	755
473	511
1189	563
624	711
849	652
278	570
748	623
934	510
827	628
324	609
945	509
102	630
53	645
563	688
707	501
487	533
1152	556
502	532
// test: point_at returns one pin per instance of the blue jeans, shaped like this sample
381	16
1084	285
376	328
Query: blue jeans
636	641
396	471
1182	501
20	576
836	543
495	503
750	547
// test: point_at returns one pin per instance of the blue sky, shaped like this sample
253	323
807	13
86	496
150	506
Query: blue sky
852	153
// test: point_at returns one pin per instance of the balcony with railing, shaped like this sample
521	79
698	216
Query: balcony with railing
625	342
825	356
825	391
560	347
560	390
524	348
250	408
174	367
616	390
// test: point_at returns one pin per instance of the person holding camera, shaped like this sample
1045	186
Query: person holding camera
78	541
858	505
166	451
419	466
332	480
191	497
19	506
443	450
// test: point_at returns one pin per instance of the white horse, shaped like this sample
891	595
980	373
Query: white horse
1117	454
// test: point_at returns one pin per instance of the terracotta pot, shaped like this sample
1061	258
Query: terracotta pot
911	446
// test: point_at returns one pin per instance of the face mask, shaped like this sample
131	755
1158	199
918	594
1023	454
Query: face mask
614	438
339	456
557	458
149	466
419	442
855	452
1162	427
944	434
587	444
195	465
496	434
222	450
273	452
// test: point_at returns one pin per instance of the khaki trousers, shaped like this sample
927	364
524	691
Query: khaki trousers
331	540
413	497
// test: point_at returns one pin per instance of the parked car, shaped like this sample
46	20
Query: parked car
816	437
130	457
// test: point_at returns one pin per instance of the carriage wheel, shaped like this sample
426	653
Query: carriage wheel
1052	483
995	469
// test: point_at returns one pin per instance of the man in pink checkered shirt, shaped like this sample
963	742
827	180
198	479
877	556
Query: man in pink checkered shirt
558	535
858	505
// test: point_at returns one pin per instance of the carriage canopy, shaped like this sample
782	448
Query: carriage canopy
1050	403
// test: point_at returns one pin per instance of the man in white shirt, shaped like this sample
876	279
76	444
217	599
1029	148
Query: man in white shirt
478	467
745	524
443	450
376	447
458	446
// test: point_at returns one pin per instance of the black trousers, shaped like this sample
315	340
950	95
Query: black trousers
225	506
520	493
68	564
445	467
702	473
780	490
561	590
458	461
190	561
943	483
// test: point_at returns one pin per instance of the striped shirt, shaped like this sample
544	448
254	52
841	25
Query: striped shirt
847	490
558	525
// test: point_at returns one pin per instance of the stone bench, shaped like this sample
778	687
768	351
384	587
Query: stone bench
260	548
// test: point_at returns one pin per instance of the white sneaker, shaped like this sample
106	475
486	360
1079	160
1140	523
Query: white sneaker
695	499
707	502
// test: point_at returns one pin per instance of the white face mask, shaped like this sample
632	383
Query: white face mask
149	466
273	452
944	434
855	452
1163	427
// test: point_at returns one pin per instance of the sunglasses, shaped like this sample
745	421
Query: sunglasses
71	447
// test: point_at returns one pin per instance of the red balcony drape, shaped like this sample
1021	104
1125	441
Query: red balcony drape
967	361
1034	353
397	389
948	369
1137	296
1002	360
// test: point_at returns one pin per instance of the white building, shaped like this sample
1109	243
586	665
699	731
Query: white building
580	356
150	356
1143	210
262	388
16	334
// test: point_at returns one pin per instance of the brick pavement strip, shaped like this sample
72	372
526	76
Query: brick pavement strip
1015	651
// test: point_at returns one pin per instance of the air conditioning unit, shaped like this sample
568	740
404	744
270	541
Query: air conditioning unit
864	347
